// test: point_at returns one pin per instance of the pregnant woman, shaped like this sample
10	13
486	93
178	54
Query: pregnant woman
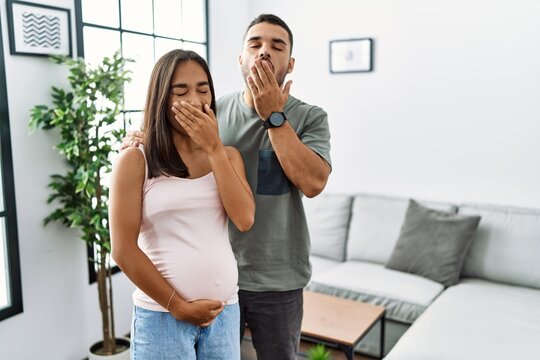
169	206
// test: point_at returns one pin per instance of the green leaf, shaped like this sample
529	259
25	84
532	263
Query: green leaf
80	187
318	352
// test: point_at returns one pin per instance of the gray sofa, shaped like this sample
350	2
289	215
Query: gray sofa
492	313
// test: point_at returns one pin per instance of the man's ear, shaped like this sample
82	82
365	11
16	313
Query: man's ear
290	67
240	59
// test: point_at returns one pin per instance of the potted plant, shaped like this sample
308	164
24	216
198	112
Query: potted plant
85	116
318	352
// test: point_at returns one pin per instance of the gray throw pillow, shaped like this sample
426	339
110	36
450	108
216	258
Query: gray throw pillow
433	243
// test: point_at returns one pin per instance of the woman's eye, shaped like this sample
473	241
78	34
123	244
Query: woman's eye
203	91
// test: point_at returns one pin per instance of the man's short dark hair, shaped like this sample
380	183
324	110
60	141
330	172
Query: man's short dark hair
272	19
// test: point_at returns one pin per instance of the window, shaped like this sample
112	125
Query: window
143	30
10	275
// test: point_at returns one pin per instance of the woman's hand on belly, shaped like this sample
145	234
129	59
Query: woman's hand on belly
198	312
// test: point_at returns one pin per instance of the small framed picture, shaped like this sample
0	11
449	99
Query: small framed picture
38	30
351	55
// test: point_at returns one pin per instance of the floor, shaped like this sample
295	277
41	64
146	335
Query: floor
248	353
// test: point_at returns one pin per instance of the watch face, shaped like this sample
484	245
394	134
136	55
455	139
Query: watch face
277	119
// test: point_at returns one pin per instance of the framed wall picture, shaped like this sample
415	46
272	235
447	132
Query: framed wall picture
351	55
39	30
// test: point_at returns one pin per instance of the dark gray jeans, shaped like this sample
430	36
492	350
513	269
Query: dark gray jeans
275	320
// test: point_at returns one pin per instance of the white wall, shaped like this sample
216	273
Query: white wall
228	22
61	316
452	110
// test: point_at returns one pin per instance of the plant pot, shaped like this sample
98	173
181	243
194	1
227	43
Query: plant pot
121	344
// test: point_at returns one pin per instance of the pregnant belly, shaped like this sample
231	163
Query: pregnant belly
209	275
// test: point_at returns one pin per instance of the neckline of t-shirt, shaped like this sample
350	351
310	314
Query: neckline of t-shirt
244	106
200	178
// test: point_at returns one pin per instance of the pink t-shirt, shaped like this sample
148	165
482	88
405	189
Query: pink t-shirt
184	233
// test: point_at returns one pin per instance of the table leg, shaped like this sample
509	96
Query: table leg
382	337
348	350
350	353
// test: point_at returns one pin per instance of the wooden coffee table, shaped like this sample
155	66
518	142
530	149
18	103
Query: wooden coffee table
339	323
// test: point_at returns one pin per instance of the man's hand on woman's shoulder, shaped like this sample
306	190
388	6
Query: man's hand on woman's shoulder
132	139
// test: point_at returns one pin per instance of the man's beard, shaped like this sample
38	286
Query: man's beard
280	76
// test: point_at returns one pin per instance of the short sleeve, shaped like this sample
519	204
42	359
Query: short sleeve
316	133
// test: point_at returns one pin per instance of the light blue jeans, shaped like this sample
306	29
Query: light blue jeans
158	335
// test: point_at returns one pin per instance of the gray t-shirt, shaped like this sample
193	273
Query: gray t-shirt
274	254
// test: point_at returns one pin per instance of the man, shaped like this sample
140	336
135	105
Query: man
285	144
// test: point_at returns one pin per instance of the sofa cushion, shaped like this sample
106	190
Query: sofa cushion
475	319
321	264
506	247
375	225
433	243
328	219
405	296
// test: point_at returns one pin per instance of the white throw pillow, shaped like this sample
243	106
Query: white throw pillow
328	219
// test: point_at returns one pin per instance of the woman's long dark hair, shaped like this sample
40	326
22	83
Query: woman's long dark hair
161	154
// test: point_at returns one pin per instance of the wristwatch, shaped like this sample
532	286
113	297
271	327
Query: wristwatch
276	119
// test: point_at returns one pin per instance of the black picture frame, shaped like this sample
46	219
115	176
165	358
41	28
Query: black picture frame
351	55
38	30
